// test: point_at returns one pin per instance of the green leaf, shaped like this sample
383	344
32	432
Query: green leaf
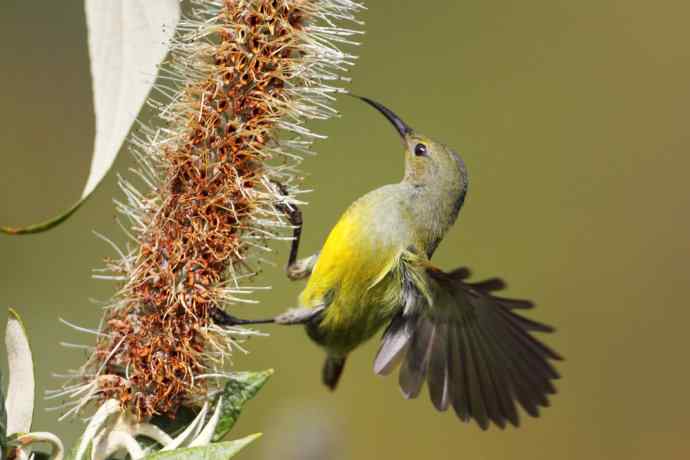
218	451
242	387
3	423
45	225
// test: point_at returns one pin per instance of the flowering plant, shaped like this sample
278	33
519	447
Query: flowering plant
216	173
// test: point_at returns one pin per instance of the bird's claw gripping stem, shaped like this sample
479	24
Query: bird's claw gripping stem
222	318
290	317
295	269
301	268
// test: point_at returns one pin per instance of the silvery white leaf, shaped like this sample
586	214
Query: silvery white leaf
191	428
204	437
112	442
20	391
128	39
57	448
98	420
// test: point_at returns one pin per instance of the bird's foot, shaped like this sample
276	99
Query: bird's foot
222	318
298	315
301	268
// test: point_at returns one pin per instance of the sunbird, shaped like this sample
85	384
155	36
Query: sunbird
474	351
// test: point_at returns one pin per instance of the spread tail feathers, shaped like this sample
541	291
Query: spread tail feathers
332	370
473	350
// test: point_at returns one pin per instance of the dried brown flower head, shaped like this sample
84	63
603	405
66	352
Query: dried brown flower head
242	78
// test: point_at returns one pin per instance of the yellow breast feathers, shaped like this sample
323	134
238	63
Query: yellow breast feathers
351	262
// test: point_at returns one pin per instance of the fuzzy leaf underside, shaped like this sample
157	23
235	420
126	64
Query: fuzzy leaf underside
72	454
20	390
242	387
128	39
84	445
3	422
218	451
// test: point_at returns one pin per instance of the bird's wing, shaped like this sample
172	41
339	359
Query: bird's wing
471	347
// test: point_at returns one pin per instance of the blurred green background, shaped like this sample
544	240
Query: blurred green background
573	119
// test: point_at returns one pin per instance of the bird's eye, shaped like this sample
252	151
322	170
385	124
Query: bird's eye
420	150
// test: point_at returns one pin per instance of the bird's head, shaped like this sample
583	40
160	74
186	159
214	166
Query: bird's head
428	163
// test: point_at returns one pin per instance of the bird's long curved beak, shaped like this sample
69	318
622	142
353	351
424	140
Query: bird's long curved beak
401	126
